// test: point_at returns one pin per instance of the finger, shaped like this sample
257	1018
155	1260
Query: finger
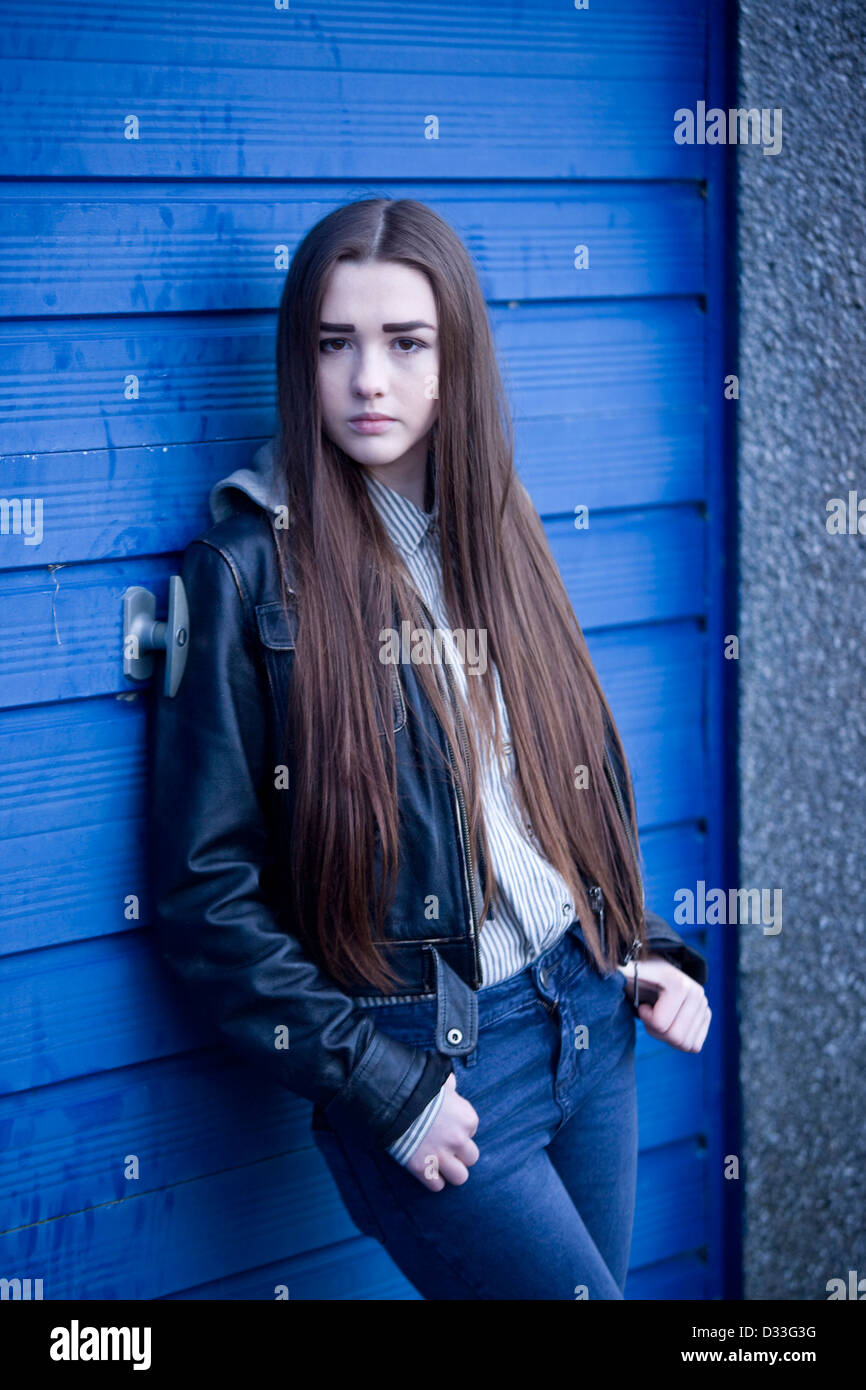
688	1020
676	1028
697	1028
470	1117
467	1151
702	1035
665	1011
658	970
628	972
427	1179
452	1169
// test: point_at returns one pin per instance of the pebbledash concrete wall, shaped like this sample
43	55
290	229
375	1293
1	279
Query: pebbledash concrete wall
801	421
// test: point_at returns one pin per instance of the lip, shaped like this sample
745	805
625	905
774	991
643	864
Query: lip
371	424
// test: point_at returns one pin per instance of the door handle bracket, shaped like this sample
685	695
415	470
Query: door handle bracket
144	635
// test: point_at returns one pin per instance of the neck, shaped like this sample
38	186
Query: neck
412	479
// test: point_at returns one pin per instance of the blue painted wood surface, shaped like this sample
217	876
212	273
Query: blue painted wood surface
159	258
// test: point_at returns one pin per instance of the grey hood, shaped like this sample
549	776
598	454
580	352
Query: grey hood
257	480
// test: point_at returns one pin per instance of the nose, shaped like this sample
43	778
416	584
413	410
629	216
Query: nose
369	375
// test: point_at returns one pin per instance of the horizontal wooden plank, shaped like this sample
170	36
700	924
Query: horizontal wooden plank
67	385
682	1278
72	784
175	1237
89	1007
69	120
71	884
72	788
109	503
622	38
204	247
181	1117
166	271
643	567
92	1006
652	676
63	628
602	358
355	1269
198	378
670	1092
142	500
612	456
165	1241
186	1117
669	771
674	856
311	93
361	1270
670	1206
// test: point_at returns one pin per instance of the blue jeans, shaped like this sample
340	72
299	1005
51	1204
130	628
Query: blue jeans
547	1210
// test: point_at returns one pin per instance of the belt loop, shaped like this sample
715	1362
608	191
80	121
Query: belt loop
456	1010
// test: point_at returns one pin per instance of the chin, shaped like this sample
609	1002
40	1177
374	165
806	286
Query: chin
372	451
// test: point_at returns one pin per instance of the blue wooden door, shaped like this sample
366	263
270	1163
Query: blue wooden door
157	168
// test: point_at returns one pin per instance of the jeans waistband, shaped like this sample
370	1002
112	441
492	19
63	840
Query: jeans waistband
458	1008
461	1012
551	973
569	949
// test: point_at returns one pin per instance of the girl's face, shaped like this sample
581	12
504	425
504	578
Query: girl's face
379	356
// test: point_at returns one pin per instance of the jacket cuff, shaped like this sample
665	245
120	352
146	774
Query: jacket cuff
409	1076
662	940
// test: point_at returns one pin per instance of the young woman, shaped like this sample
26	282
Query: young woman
394	842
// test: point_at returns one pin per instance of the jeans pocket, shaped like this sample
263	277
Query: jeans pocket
350	1173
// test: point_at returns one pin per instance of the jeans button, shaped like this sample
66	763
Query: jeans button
454	1036
544	978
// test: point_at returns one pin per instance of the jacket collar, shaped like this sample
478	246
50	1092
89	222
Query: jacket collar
258	482
406	523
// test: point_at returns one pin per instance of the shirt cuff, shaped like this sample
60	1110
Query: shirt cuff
403	1148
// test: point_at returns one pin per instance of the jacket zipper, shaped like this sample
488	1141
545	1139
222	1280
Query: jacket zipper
463	823
636	945
462	818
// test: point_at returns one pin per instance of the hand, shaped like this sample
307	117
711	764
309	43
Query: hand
447	1149
681	1015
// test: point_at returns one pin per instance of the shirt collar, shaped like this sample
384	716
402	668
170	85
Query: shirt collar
406	523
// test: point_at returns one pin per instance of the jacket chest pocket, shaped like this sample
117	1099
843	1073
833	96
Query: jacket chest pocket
278	631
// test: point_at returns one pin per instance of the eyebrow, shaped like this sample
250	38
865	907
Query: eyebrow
386	327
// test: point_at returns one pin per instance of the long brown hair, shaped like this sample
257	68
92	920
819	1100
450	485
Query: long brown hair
498	575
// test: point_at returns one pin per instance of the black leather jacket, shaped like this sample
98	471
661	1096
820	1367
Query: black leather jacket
215	821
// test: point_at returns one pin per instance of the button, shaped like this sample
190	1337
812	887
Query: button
454	1036
566	909
506	748
544	978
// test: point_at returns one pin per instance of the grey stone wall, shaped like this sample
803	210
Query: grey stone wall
802	668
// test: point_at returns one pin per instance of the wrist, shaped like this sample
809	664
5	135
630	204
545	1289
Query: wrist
410	1140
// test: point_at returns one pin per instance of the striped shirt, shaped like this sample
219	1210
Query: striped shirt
536	904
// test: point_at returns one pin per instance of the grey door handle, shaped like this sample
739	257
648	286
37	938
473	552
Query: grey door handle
143	634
